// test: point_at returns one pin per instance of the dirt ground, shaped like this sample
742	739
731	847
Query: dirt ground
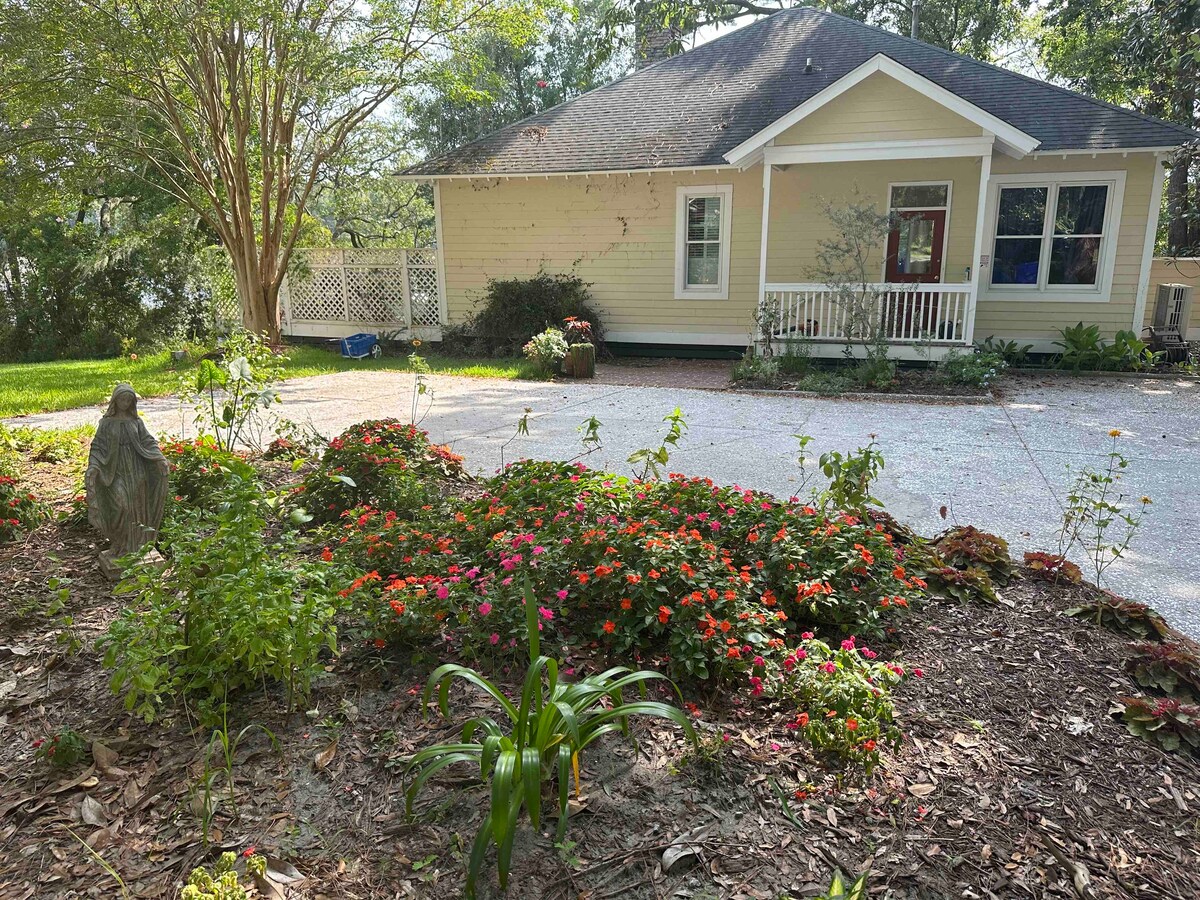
1015	780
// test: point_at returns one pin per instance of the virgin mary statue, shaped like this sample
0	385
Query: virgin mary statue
126	480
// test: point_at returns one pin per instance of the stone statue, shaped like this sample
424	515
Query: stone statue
126	481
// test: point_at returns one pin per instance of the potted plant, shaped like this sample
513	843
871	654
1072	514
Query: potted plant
580	361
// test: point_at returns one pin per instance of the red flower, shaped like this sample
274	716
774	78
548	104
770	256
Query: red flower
663	614
609	627
543	83
249	851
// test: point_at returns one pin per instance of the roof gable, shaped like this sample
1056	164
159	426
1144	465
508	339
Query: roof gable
691	110
1014	139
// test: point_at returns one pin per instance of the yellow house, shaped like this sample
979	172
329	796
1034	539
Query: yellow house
689	194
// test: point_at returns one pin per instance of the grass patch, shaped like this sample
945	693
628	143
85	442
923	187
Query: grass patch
27	388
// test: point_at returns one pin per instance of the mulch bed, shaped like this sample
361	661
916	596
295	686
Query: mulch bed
1014	780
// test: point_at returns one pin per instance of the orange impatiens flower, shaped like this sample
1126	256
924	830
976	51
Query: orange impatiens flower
626	603
663	614
609	626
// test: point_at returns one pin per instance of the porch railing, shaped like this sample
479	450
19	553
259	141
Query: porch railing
904	313
339	291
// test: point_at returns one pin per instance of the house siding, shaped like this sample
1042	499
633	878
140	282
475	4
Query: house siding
1041	320
617	233
878	108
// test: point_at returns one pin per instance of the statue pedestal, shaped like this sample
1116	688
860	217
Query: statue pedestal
111	569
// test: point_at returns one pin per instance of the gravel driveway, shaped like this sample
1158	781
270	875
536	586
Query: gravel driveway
1001	467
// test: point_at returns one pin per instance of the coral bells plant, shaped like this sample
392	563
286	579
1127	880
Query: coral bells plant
1168	722
20	510
1170	666
1123	616
968	547
382	464
1052	567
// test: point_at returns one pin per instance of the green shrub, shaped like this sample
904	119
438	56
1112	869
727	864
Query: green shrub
200	469
843	698
546	350
1011	352
236	607
978	370
756	370
64	749
383	464
515	309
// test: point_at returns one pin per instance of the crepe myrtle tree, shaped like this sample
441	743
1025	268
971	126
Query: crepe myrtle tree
237	106
847	263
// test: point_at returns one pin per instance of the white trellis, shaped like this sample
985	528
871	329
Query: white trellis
335	292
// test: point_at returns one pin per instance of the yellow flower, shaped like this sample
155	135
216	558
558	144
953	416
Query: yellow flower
1146	501
1116	432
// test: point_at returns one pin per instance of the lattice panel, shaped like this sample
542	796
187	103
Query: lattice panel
375	295
374	258
423	296
320	256
422	257
317	298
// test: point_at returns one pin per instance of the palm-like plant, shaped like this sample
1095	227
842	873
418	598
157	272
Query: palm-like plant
540	742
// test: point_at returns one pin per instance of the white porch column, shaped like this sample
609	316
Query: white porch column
766	228
1152	215
985	175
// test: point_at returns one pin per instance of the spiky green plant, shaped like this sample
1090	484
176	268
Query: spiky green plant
539	743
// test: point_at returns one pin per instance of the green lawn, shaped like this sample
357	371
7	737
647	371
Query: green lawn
42	387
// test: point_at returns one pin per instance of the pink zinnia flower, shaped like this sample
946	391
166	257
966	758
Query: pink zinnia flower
495	639
484	609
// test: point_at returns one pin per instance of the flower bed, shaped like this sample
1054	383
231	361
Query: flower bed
716	583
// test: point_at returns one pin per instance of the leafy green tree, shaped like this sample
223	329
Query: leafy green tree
1144	54
503	81
977	28
237	106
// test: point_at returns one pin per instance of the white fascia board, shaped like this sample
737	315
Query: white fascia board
867	150
526	176
1016	139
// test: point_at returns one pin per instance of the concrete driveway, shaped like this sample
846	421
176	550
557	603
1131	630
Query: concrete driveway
1001	467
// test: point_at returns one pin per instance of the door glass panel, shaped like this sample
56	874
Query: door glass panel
702	263
1016	260
1074	260
919	196
1022	211
915	253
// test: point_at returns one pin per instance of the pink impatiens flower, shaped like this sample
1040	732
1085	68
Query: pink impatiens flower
484	609
546	614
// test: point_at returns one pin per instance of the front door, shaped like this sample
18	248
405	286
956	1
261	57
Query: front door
914	256
914	252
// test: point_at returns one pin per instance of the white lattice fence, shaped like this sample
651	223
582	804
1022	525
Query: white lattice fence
335	292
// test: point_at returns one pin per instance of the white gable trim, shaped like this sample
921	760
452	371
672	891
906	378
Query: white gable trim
1016	140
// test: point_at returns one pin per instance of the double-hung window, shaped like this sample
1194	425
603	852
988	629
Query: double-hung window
1055	235
702	225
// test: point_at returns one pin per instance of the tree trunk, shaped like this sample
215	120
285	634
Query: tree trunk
1178	208
258	297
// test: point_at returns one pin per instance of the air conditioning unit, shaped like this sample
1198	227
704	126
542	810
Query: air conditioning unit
1173	308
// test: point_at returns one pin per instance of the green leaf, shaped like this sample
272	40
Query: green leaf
531	775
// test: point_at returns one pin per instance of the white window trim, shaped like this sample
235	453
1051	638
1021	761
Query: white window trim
946	231
683	194
1101	291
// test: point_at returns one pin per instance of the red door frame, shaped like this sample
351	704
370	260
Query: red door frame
938	217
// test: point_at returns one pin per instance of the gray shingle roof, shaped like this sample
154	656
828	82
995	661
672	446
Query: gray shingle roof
691	109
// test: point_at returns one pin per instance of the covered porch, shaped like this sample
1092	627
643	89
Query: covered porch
919	284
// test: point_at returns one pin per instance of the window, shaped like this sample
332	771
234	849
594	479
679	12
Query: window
1054	235
702	242
920	196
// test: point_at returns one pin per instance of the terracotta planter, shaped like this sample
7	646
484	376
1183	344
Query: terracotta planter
582	359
